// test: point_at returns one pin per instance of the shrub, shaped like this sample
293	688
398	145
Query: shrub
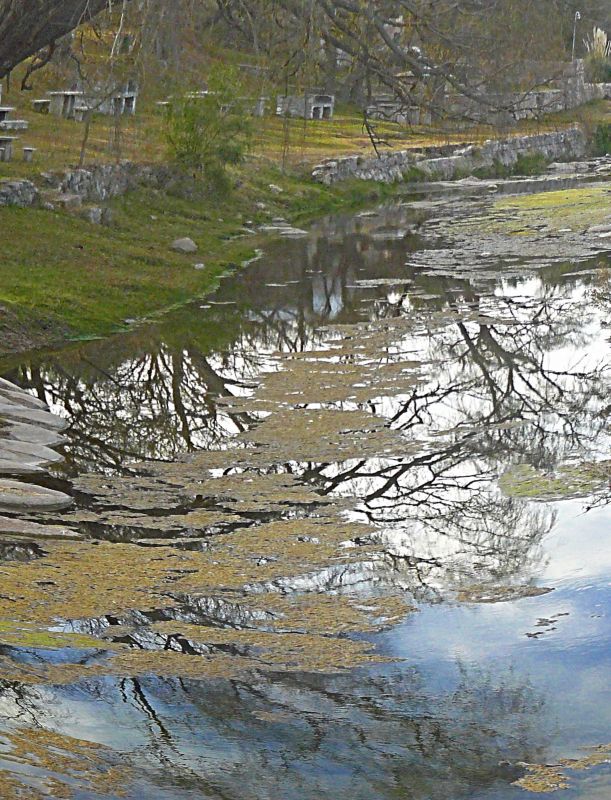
601	141
598	59
530	164
209	131
415	175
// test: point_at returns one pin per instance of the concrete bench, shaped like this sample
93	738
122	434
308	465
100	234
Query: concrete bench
41	106
62	104
6	145
28	154
80	113
5	111
14	125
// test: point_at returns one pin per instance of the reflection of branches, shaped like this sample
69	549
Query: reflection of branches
326	725
159	398
500	389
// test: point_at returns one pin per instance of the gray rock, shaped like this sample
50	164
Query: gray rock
34	453
93	214
69	202
18	193
34	434
21	398
33	416
16	466
18	527
184	245
17	496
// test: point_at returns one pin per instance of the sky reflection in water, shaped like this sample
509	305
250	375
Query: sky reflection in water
472	690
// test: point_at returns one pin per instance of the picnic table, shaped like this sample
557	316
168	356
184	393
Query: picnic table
63	103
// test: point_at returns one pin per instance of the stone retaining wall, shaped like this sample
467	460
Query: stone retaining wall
18	193
101	183
105	181
95	185
566	145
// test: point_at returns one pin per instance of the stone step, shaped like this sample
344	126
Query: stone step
28	452
16	496
23	528
10	466
32	416
14	125
16	395
33	434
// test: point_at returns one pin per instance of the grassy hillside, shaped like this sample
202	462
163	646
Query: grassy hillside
61	276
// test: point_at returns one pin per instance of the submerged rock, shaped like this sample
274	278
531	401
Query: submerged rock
499	594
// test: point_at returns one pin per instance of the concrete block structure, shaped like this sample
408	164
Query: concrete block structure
63	103
310	105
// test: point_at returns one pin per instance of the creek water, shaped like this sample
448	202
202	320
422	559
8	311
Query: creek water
489	508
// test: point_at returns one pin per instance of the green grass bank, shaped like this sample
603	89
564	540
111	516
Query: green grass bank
63	278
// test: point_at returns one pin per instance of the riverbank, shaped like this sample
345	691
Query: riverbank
62	278
351	485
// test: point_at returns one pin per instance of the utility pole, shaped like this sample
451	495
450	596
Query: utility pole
577	18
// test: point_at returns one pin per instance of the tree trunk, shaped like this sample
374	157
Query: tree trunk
26	26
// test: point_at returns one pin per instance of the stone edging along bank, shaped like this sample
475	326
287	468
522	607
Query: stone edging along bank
74	188
445	163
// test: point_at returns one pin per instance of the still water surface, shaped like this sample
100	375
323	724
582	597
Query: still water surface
508	364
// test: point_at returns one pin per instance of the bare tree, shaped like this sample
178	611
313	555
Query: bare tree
32	25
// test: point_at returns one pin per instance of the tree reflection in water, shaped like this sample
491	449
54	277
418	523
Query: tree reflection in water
510	374
306	736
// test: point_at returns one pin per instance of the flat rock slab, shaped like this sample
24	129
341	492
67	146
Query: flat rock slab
15	466
17	496
16	395
28	452
22	528
32	416
34	434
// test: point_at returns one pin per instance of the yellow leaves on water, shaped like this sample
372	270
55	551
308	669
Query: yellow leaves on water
53	761
545	779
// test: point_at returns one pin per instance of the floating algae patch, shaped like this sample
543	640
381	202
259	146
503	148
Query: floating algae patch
536	215
357	367
116	499
332	614
541	779
568	481
57	766
23	636
578	208
325	436
196	520
78	580
311	382
499	594
545	779
134	493
253	492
